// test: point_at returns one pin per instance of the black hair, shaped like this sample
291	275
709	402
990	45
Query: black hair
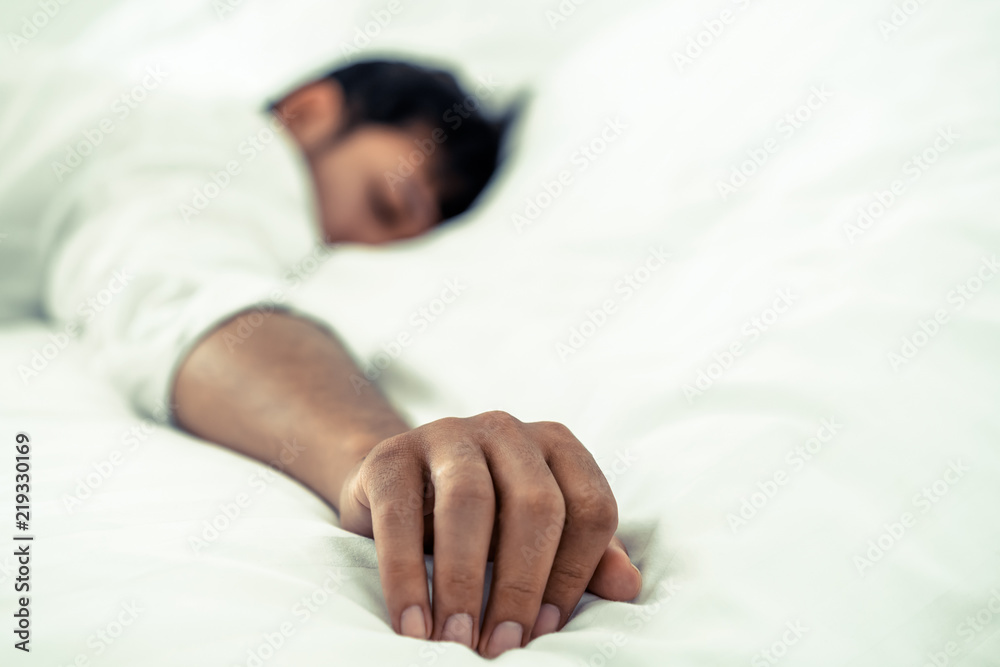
402	94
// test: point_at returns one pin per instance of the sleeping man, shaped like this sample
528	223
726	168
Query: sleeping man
169	241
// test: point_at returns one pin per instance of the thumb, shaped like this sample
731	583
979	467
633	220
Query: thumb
615	577
354	508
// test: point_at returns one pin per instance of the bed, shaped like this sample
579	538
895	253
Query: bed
746	251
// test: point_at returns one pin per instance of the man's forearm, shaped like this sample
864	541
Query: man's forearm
287	382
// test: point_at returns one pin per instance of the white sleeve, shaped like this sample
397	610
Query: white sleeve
144	285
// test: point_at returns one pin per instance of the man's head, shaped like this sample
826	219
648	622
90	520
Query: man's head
394	148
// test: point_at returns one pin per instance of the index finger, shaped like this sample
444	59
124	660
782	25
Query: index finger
394	482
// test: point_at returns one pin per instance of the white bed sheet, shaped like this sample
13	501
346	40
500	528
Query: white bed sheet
796	579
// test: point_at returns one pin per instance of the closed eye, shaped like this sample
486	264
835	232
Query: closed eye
381	207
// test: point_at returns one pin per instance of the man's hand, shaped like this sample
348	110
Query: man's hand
527	495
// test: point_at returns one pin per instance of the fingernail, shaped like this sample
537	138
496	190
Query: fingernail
412	622
458	628
505	636
547	621
639	574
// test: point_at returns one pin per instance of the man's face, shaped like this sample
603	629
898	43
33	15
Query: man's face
361	193
362	196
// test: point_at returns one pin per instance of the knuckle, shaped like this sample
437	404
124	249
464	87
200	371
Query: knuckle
397	570
387	473
381	482
518	588
464	475
389	452
398	512
449	423
465	453
540	502
463	487
570	573
497	420
597	512
555	430
460	581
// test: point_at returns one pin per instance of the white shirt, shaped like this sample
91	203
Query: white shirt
140	225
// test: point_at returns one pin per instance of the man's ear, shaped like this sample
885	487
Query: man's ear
314	113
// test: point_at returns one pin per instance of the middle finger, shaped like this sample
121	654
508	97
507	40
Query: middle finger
464	503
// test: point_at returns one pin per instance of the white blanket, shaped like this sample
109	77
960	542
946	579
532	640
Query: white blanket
797	408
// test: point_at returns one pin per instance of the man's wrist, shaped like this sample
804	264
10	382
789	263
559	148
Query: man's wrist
343	462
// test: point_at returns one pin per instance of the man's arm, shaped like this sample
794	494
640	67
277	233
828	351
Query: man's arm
289	381
528	496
